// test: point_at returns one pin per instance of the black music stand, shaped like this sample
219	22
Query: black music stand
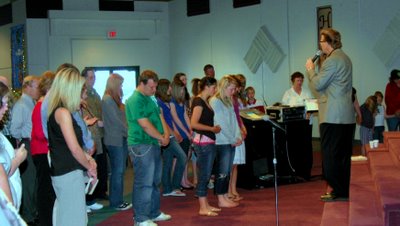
275	161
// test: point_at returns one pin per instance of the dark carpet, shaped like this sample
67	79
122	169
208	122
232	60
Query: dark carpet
298	204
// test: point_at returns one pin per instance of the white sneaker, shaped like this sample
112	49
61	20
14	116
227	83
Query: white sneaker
95	206
146	223
210	185
175	193
162	217
88	210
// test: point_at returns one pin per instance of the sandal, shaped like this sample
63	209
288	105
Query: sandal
215	209
209	214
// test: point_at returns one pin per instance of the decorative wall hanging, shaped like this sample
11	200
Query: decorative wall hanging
18	56
264	49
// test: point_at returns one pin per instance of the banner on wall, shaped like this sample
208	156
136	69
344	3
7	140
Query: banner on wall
18	56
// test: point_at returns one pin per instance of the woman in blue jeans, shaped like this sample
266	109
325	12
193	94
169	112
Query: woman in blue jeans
227	139
202	123
173	149
115	133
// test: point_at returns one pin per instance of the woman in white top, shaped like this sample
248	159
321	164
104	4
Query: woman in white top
296	95
10	180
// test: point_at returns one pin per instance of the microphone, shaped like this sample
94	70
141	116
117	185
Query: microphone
316	56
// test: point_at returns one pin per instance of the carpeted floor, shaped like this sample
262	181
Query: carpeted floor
298	204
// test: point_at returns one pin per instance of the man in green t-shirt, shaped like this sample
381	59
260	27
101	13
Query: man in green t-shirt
147	131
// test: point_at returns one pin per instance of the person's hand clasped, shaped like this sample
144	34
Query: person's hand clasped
216	129
21	153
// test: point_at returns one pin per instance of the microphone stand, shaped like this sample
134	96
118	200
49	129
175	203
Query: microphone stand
274	161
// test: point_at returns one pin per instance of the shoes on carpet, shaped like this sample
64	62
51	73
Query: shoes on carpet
162	217
186	188
331	197
124	206
94	206
210	184
146	223
175	193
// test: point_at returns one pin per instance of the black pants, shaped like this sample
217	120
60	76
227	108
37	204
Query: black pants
102	175
337	147
27	169
45	191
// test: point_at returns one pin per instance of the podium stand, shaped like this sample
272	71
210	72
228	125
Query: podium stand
259	153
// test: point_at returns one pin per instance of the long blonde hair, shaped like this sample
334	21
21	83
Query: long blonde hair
66	90
114	90
223	84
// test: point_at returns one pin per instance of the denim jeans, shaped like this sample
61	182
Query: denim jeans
185	145
205	160
173	149
225	155
147	163
118	156
393	123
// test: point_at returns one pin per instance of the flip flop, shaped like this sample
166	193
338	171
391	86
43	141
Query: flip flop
237	198
209	214
215	209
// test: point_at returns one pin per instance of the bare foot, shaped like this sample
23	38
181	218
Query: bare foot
214	209
208	213
227	203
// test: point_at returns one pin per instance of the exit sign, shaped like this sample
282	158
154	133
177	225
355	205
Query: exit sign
111	34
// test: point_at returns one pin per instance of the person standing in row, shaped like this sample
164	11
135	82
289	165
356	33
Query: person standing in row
171	186
209	71
10	158
380	116
21	128
227	139
92	108
392	100
239	102
368	112
180	110
204	130
39	149
147	131
115	138
334	83
69	161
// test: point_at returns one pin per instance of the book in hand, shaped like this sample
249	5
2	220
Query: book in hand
90	186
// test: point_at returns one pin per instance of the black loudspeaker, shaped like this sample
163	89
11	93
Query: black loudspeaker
260	167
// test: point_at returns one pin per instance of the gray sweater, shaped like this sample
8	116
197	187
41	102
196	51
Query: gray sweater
225	117
114	119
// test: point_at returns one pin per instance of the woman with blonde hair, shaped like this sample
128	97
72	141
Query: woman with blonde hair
115	138
68	159
227	139
239	102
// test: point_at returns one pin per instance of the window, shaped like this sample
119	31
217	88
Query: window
129	73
